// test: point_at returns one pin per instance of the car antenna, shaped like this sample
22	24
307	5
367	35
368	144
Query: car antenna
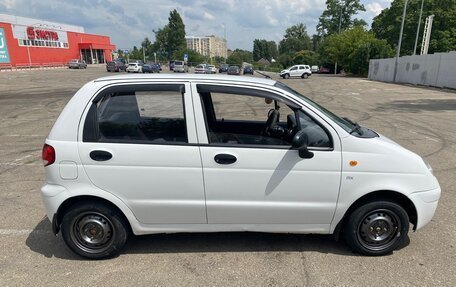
266	76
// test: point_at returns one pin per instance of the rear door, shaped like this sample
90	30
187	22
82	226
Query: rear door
138	143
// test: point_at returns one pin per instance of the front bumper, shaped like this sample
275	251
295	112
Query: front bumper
426	204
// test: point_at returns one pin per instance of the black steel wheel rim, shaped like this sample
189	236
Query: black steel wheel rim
379	229
92	232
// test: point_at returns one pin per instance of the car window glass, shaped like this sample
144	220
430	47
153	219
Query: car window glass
242	120
294	68
142	117
301	67
317	136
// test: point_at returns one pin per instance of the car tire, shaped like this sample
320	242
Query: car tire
376	228
305	76
94	230
286	76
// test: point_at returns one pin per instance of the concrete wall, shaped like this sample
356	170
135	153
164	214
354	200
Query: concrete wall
438	70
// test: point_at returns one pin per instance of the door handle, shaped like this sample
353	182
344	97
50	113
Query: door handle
224	158
100	155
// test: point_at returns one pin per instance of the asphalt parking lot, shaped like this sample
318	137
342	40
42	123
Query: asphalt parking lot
421	119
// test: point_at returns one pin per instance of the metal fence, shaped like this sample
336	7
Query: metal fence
437	70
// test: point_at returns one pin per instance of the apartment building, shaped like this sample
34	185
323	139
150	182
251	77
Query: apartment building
208	46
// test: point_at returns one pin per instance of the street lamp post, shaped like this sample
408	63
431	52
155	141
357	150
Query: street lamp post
400	41
340	24
144	54
224	38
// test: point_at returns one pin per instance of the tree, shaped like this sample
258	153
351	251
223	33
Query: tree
171	37
306	57
443	37
193	57
238	56
339	12
264	49
295	39
354	48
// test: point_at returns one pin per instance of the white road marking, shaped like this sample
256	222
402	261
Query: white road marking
18	164
22	158
432	139
22	231
15	135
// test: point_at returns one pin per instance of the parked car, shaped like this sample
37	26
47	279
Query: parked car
248	70
233	70
115	66
324	70
314	69
77	64
150	68
201	69
302	71
171	65
180	66
193	153
134	68
223	68
212	69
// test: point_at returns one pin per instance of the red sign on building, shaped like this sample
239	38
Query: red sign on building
41	34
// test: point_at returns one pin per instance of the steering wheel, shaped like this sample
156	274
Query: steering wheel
272	120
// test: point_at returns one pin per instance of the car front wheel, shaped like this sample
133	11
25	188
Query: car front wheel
286	76
377	228
94	230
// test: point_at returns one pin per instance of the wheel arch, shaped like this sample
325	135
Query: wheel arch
379	195
71	201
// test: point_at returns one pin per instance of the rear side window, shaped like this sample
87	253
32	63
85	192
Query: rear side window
137	116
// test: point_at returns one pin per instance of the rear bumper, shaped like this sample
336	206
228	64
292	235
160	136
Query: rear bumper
426	204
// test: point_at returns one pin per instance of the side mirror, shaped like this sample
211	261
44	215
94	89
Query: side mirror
300	142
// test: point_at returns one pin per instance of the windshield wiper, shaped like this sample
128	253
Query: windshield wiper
357	127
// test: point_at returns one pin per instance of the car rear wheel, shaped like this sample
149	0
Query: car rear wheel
94	230
304	76
377	228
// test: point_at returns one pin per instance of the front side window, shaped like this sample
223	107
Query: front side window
137	116
243	119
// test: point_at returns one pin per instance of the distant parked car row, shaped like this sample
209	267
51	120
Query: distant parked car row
120	65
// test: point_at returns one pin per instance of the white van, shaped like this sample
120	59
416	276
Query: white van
180	67
163	153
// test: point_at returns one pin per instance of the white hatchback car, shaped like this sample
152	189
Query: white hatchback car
188	153
134	68
302	71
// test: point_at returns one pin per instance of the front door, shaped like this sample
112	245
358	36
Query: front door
251	174
138	143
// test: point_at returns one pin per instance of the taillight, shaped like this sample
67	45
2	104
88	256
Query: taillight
48	155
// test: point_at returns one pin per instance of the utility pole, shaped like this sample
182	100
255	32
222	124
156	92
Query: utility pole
340	24
400	41
144	54
418	29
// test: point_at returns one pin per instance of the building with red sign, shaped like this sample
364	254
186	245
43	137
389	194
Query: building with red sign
33	42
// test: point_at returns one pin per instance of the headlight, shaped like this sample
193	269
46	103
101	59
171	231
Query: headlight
429	166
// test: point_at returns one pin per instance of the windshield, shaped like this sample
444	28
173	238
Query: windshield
178	63
347	126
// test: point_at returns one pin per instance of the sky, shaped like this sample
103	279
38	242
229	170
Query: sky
129	22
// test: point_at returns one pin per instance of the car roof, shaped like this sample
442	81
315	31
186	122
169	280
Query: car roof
188	77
